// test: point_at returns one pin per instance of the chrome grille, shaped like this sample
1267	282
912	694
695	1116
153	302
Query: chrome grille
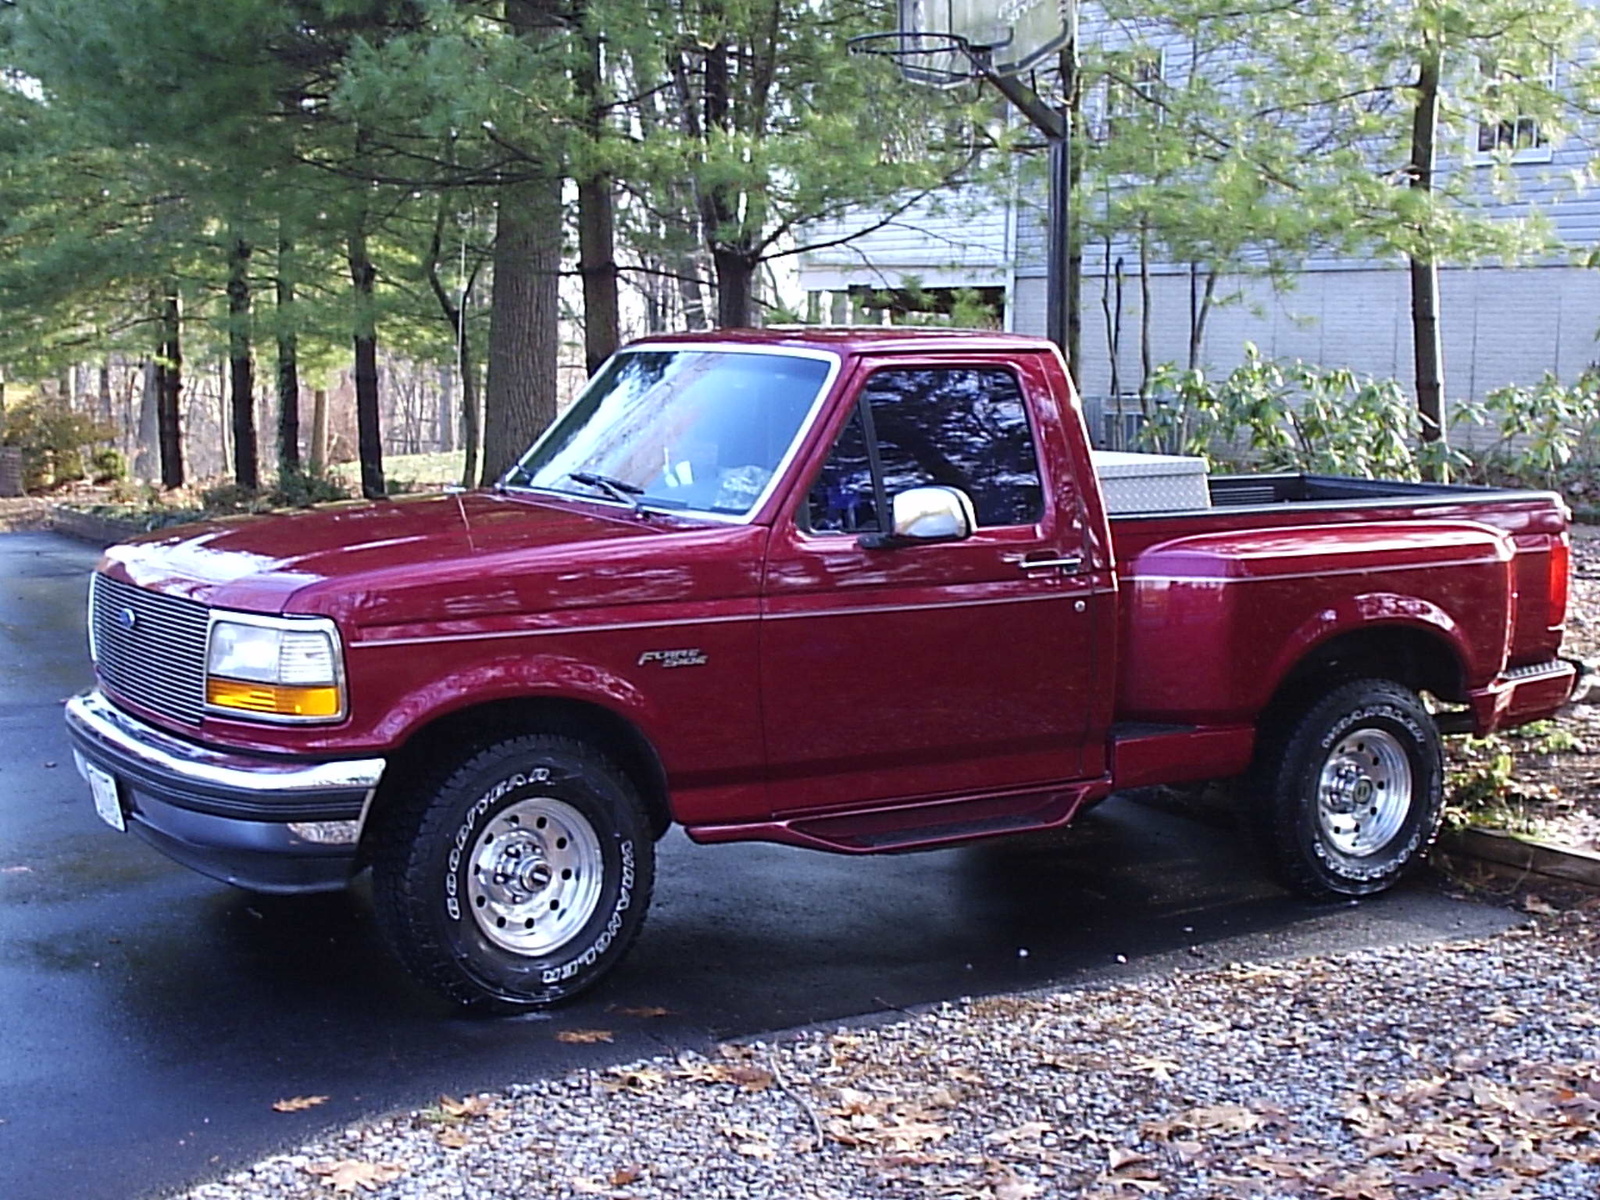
150	648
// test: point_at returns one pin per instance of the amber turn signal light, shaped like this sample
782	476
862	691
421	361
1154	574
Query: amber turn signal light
283	700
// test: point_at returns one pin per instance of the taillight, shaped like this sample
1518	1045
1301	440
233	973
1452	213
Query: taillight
1560	577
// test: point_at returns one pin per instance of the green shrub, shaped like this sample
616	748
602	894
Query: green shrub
107	465
1321	420
301	487
1294	417
52	438
1546	433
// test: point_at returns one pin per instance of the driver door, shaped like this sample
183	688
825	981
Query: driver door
934	669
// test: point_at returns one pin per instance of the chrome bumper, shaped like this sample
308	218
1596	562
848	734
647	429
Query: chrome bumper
100	724
263	823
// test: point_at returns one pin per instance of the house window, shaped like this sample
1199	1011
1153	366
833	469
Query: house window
1132	86
1505	130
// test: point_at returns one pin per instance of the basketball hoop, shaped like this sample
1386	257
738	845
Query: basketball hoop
943	60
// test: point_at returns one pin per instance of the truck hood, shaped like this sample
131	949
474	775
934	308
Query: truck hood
257	562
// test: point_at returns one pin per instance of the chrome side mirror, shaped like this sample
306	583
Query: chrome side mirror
927	514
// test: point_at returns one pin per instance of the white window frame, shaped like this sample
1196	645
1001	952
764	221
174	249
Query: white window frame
1541	152
1146	88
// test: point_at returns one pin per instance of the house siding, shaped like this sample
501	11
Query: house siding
1499	324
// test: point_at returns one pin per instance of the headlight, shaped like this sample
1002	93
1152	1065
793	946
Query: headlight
285	669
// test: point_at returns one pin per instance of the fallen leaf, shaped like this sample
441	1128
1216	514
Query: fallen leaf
1117	1157
1029	1131
1538	905
1160	1068
454	1138
298	1103
623	1176
583	1037
913	1135
648	1010
467	1106
1012	1188
966	1075
749	1079
633	1079
1218	1119
751	1143
348	1173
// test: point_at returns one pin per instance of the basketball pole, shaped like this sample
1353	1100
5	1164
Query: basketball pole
1056	127
1055	124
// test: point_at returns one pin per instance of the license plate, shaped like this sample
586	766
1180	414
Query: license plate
106	801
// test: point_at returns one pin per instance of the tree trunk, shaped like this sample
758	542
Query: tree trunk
1072	93
104	392
169	387
444	429
317	451
241	368
1199	309
524	332
735	288
1427	350
471	431
597	242
288	362
363	277
1145	356
455	312
147	440
520	399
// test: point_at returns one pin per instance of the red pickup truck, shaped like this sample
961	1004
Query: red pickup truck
853	590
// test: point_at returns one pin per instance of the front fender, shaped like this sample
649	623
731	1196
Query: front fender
515	677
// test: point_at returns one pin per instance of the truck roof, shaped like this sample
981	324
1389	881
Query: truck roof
864	339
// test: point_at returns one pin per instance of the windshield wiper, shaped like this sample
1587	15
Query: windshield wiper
618	489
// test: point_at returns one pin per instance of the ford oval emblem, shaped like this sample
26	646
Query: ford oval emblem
128	619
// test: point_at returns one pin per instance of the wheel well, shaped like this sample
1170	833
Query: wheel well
457	732
1418	660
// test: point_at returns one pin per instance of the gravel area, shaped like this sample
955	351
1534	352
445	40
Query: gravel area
1467	1069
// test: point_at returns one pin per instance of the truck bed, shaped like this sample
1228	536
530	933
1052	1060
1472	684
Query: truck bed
1280	504
1254	491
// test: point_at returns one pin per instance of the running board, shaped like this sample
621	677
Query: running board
884	830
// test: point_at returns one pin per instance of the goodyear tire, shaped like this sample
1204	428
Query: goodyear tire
1348	798
520	878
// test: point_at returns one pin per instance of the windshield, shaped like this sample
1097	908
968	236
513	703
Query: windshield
683	429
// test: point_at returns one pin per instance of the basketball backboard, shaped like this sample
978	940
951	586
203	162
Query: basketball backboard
1017	33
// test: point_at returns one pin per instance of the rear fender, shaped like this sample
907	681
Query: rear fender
1375	613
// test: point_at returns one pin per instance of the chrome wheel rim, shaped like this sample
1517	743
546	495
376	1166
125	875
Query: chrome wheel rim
1364	792
534	875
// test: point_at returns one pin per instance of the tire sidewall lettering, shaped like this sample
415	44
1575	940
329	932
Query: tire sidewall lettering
1374	871
571	788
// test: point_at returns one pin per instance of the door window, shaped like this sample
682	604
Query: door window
966	427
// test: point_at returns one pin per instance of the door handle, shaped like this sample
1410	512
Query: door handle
1067	562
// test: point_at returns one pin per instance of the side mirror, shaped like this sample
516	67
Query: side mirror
927	514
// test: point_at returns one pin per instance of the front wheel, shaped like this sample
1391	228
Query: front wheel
1349	797
520	878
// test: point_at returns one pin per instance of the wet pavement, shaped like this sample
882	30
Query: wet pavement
149	1018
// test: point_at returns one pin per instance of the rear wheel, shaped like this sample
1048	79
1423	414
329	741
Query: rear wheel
1348	797
520	878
